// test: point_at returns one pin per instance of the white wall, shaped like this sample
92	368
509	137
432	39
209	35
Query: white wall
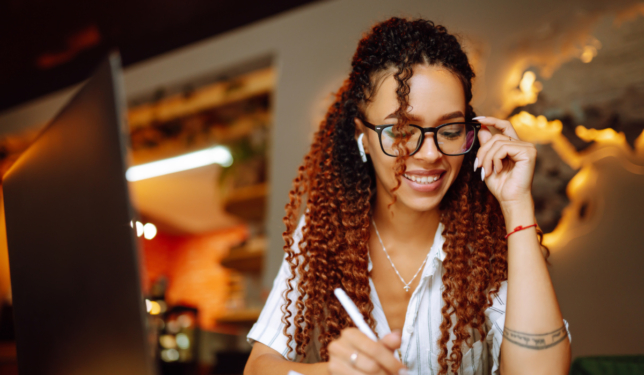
596	276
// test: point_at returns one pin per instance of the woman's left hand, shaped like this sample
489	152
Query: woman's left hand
506	163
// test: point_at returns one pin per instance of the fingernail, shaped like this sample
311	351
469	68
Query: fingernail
478	117
476	162
495	169
403	372
482	174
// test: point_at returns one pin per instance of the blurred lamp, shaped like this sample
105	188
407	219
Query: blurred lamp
149	231
216	155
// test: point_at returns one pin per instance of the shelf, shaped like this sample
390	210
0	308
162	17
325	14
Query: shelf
248	202
218	94
241	317
248	258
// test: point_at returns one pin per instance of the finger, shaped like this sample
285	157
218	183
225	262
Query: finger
337	366
495	156
487	167
498	156
484	149
484	135
392	341
503	150
504	126
375	350
342	350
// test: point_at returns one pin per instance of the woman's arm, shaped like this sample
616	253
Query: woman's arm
266	361
535	340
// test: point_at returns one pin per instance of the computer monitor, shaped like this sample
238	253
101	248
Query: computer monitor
73	257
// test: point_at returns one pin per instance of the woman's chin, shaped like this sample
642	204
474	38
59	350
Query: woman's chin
420	204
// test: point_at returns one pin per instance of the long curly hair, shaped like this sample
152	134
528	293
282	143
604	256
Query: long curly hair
336	187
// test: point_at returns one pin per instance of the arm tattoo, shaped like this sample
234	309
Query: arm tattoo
535	341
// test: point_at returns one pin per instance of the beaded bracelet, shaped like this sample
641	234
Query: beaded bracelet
520	227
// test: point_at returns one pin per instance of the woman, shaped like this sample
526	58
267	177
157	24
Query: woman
407	213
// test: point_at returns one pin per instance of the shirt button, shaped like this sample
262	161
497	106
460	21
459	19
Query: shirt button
410	329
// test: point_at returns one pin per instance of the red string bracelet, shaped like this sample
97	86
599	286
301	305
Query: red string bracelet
520	227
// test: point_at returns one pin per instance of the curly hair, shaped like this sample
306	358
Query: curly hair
336	187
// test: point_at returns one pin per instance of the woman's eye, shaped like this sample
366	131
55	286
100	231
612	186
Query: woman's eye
451	134
389	132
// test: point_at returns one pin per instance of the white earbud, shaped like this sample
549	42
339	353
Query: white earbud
361	148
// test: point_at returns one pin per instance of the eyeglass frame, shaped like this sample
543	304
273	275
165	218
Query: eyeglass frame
379	128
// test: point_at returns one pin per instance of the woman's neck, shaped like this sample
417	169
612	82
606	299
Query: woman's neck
400	225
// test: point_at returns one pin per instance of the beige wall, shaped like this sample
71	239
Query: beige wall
597	275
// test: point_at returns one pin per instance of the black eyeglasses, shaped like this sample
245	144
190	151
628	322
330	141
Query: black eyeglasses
454	138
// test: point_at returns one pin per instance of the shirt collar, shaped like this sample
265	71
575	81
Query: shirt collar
436	252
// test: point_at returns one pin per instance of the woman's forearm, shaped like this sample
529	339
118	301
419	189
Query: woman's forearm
535	340
275	364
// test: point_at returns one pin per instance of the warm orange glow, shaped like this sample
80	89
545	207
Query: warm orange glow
540	130
629	14
581	179
155	308
606	143
578	190
522	88
528	86
588	54
536	129
81	40
639	144
607	135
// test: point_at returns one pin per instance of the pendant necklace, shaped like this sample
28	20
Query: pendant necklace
406	285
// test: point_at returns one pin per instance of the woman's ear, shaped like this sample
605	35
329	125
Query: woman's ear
359	135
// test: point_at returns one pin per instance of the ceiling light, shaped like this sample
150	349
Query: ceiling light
215	155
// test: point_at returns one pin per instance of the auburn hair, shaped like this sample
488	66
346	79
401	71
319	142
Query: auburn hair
333	189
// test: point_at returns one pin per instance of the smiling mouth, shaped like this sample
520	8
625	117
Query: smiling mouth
423	180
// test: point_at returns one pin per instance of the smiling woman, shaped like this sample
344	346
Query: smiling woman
411	230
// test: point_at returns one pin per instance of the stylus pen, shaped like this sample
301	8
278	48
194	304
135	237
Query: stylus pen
356	316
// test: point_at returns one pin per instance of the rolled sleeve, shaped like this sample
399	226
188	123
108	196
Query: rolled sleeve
269	328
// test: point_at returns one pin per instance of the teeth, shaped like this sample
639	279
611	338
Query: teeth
422	180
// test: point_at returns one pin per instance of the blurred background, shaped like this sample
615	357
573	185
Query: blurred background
258	76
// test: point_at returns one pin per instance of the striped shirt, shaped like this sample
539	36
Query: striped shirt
421	330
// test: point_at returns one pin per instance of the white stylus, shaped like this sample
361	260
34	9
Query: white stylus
356	316
354	313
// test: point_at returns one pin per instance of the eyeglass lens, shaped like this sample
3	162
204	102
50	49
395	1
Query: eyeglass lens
452	139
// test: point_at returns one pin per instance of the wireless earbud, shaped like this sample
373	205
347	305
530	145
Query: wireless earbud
361	148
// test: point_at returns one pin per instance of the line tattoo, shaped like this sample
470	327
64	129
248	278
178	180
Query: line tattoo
535	341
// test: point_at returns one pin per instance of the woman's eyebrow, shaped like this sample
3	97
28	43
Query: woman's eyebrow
452	115
448	116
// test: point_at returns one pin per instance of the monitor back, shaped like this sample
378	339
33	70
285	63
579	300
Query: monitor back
73	258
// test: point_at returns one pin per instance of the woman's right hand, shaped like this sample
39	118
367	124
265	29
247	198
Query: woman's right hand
376	358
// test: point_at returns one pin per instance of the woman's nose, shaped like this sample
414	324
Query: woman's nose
428	151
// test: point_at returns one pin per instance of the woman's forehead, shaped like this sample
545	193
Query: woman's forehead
434	92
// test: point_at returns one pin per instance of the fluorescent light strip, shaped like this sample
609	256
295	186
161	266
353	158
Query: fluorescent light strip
215	155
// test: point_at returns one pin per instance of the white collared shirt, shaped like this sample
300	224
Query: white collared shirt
421	330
